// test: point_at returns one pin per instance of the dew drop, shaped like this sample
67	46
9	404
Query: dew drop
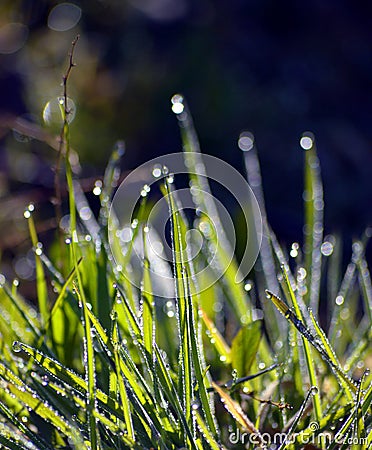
53	111
246	141
16	347
307	141
195	405
248	286
326	248
177	104
314	390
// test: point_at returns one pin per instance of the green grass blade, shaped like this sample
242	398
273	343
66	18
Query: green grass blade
313	230
89	362
122	390
331	354
307	350
313	390
148	306
41	286
205	431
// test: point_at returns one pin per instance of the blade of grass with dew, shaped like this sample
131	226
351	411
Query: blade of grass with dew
298	416
88	343
193	304
124	403
331	354
291	317
128	368
191	308
173	396
306	346
185	381
31	400
314	205
148	307
206	433
89	362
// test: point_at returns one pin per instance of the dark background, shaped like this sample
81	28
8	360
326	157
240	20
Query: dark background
274	68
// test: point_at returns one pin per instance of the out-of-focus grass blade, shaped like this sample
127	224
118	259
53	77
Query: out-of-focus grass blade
110	180
13	440
58	303
86	214
25	314
215	336
313	230
244	348
41	286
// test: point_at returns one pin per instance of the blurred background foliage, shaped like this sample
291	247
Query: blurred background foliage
274	68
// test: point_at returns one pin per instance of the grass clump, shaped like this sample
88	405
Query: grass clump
101	364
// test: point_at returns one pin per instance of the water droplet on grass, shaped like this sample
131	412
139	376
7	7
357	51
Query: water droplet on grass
16	347
314	390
